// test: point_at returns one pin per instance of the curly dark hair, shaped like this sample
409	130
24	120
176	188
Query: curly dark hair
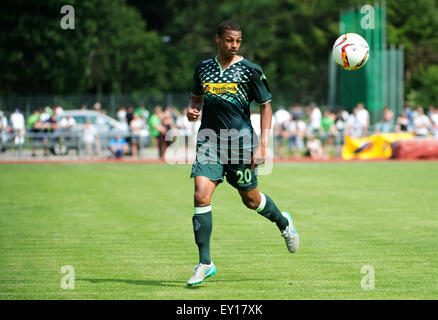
227	25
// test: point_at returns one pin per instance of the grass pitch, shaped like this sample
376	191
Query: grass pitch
126	230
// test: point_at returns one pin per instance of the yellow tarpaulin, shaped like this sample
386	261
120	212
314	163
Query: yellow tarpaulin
377	146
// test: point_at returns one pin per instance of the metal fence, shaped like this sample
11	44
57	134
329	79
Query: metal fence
61	144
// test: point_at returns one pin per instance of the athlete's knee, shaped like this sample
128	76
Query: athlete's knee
201	199
251	203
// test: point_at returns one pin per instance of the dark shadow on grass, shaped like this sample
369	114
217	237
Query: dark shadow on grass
162	283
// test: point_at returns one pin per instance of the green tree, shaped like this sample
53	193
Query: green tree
415	24
124	56
109	50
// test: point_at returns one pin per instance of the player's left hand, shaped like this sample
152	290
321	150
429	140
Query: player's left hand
258	157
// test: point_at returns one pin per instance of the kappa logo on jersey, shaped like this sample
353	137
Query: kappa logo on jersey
219	88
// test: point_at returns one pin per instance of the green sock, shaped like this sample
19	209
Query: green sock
202	226
269	210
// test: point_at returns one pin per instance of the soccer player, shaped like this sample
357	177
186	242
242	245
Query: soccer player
224	87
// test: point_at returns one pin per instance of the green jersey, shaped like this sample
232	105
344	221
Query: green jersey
33	118
326	123
153	121
228	94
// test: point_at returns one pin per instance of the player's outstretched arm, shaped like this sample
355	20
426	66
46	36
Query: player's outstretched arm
194	107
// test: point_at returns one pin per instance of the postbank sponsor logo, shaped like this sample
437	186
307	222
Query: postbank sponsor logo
219	88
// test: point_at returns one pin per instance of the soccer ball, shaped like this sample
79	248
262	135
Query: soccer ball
351	51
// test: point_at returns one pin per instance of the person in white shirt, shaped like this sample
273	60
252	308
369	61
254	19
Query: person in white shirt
341	119
67	125
315	118
68	122
314	147
183	125
281	116
353	126
3	130
297	131
121	115
364	118
91	138
18	126
434	121
422	123
45	116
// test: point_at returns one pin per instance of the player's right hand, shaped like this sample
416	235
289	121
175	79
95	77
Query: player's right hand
193	114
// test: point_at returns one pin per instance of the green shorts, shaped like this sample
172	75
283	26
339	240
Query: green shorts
239	175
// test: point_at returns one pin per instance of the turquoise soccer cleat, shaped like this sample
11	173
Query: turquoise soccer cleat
201	272
290	234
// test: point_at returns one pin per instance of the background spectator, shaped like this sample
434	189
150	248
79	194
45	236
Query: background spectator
403	123
32	119
46	114
31	127
422	123
17	125
118	146
363	116
90	138
121	116
137	125
407	109
155	127
68	123
142	112
328	127
3	131
297	112
97	106
341	118
297	130
167	123
386	125
314	147
314	118
434	122
66	132
328	131
58	110
130	111
353	126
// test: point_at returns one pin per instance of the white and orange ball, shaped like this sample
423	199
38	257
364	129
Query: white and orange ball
351	51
